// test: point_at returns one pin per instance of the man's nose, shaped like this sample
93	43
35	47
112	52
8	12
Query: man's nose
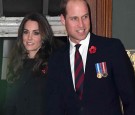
81	24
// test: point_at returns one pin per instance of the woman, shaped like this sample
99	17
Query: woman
27	68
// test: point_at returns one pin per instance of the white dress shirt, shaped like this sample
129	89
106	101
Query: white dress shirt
83	51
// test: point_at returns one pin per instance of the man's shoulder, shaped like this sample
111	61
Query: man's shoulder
106	43
105	40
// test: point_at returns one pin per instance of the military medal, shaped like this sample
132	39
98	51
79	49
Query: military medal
104	69
99	75
98	70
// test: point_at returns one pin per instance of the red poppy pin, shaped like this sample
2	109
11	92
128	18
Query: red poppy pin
44	70
92	49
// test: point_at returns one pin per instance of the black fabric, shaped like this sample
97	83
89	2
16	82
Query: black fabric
25	96
100	95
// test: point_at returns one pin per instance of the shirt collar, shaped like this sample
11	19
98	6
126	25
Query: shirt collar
84	42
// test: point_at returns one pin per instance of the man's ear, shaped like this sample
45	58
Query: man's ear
62	18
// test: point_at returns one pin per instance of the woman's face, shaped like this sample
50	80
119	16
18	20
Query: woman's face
32	38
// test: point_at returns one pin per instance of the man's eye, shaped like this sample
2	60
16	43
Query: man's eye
74	18
86	16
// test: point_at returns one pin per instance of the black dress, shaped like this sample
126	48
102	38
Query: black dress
25	96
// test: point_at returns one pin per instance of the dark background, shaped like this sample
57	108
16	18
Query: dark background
19	8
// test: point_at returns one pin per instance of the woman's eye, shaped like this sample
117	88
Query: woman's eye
36	33
25	32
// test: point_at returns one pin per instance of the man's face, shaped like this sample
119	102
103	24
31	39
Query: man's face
77	20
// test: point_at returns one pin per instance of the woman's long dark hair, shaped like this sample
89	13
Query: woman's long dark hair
19	53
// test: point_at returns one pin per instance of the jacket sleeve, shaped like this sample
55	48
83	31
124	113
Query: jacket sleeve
53	99
124	77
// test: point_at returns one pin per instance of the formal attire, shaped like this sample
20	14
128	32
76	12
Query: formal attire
108	78
25	95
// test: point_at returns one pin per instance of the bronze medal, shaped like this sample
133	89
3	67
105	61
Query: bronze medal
105	74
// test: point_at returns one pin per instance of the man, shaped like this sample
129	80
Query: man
107	77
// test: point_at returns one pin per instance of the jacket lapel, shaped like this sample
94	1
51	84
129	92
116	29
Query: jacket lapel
90	64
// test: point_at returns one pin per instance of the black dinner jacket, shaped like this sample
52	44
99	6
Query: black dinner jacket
101	96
